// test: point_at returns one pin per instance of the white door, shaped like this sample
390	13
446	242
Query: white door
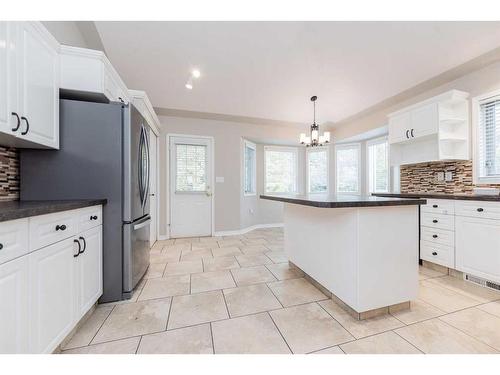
190	186
89	270
14	310
52	298
153	157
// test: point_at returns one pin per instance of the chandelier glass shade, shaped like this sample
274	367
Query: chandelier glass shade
314	139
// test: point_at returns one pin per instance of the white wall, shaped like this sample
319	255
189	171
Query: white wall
232	208
66	32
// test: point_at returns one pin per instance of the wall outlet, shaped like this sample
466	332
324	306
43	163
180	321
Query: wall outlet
440	176
448	176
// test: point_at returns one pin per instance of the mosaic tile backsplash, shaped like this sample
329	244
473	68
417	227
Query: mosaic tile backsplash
422	177
9	174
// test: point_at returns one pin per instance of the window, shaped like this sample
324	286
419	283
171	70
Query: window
191	168
347	168
487	138
317	170
249	169
280	170
378	165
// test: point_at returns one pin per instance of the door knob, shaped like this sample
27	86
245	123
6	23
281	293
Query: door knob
209	194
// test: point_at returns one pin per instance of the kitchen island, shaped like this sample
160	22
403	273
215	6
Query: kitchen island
363	250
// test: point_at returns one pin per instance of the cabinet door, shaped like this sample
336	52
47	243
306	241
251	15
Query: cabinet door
38	86
8	77
478	247
14	336
399	127
89	270
424	121
52	294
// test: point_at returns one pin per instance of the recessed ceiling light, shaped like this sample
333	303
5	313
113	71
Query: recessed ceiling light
196	73
189	86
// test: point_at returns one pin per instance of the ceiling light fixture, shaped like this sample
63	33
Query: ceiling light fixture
196	73
189	86
314	139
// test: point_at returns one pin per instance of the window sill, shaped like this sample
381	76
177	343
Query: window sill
487	181
249	194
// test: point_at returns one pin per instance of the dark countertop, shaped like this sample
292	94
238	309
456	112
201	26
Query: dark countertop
12	210
467	197
342	201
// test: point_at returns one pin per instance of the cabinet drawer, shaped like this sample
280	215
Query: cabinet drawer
439	206
440	221
89	218
13	239
48	229
434	235
437	253
486	210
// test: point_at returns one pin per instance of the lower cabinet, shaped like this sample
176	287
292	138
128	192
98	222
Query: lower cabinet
14	306
478	247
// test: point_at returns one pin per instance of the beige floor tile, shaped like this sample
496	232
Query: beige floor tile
383	343
204	245
277	256
186	240
478	324
331	350
183	268
164	257
255	241
84	335
275	247
176	248
196	309
230	243
133	319
361	328
427	273
197	254
245	300
165	287
467	288
295	292
220	263
436	337
126	346
282	271
253	260
226	251
492	308
208	239
214	280
253	249
419	311
189	340
308	328
253	334
155	270
443	298
252	275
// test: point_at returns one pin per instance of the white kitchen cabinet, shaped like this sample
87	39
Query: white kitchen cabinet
52	295
29	66
88	270
14	306
13	239
399	126
424	121
478	247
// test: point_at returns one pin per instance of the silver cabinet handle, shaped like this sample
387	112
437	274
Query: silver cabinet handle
142	225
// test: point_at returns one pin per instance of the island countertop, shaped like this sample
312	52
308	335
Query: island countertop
458	196
343	201
11	210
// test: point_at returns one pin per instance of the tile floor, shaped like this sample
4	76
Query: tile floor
238	295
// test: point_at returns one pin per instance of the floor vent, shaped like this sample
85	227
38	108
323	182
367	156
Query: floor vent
482	282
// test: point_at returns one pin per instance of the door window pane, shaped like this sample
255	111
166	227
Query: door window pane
378	167
281	170
191	167
318	171
347	167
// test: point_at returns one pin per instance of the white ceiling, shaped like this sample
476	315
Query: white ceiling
270	69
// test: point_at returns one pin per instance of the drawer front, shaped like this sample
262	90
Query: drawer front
440	236
437	253
13	239
89	218
48	229
486	210
439	206
440	221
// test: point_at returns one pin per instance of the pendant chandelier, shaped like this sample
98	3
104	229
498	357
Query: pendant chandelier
315	139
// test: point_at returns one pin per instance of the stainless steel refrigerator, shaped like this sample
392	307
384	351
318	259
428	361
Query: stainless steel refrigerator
104	153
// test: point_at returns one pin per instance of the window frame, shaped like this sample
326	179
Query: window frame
372	142
476	137
346	146
325	149
295	152
253	146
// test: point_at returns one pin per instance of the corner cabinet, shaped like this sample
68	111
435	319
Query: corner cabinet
46	287
29	93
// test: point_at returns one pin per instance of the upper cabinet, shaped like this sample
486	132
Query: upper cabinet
29	90
433	130
88	73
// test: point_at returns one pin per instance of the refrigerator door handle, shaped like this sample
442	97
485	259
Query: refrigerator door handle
143	224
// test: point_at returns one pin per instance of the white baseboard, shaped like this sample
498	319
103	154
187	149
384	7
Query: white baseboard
162	237
247	229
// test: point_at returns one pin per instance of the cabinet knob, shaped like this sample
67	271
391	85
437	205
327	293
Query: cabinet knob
61	227
18	122
94	217
434	221
434	236
1	246
434	253
27	125
435	206
480	209
411	132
